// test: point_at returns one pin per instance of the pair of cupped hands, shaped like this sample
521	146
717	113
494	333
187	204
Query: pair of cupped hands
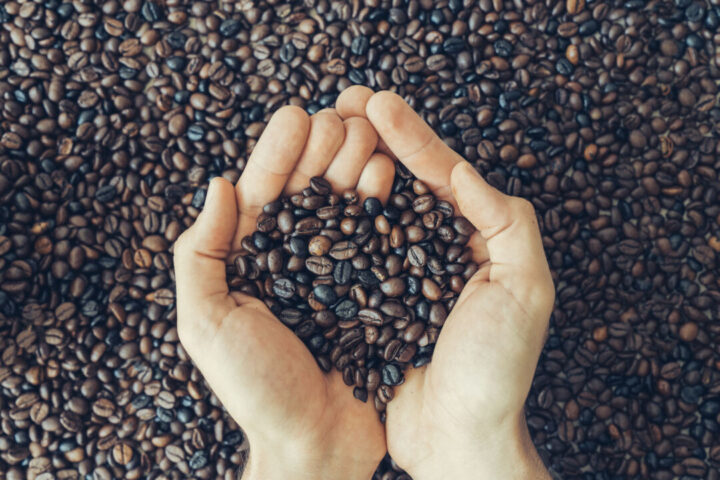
462	415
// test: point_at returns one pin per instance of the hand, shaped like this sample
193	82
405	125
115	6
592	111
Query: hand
462	415
300	422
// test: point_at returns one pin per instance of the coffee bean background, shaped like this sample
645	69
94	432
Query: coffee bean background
114	115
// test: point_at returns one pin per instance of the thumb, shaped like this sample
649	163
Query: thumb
511	231
199	258
486	207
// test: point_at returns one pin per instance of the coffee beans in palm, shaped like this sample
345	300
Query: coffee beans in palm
366	286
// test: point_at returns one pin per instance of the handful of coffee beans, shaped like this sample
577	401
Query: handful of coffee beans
366	287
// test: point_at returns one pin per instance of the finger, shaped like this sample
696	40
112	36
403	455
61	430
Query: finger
360	141
376	179
351	101
270	165
413	141
510	229
199	259
324	140
383	148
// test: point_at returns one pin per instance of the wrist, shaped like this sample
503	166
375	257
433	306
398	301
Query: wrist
288	462
505	453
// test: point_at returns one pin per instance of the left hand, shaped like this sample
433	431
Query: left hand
300	422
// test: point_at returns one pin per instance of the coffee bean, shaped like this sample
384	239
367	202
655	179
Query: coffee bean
198	460
417	256
372	206
103	407
413	332
342	272
430	289
319	245
370	316
393	287
438	315
406	353
291	316
174	453
325	294
286	221
385	393
346	309
391	349
308	226
325	318
320	186
344	250
423	203
284	288
392	375
361	394
319	265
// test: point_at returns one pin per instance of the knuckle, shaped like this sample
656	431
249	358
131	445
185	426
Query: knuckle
525	210
357	123
328	122
524	207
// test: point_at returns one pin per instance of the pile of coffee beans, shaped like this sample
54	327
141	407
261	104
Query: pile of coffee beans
367	287
114	115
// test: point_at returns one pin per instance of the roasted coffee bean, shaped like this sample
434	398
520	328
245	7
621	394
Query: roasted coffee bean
385	393
325	318
423	203
344	250
319	265
284	288
320	186
369	316
406	353
319	245
325	294
391	349
438	314
291	316
308	226
417	256
392	375
342	272
346	309
413	332
393	287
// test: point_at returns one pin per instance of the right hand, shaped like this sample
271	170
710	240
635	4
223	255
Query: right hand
462	416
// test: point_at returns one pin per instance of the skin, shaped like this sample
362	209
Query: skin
463	413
